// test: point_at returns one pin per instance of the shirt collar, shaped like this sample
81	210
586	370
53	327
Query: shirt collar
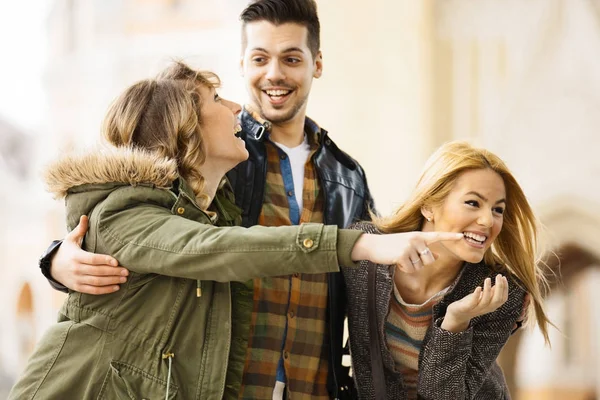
311	128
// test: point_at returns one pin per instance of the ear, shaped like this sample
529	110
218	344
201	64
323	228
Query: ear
427	213
241	66
318	65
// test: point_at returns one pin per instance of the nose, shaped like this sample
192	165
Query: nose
486	219
274	71
233	106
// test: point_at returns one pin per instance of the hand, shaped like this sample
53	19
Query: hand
408	250
482	301
82	271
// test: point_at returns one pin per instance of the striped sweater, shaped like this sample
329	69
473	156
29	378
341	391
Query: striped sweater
405	329
452	365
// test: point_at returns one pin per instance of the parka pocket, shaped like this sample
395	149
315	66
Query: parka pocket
126	382
136	280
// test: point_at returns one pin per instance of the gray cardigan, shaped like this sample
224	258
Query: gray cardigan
451	365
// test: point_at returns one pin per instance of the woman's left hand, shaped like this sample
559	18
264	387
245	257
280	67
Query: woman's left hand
482	301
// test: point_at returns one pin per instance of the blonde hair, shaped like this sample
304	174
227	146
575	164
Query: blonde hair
514	248
164	116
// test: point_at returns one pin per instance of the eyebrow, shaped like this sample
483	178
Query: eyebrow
483	197
288	50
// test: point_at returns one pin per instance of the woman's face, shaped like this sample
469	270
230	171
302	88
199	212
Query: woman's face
219	127
474	207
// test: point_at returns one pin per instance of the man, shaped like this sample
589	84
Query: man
295	174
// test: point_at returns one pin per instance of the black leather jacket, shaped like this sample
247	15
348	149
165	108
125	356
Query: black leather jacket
347	200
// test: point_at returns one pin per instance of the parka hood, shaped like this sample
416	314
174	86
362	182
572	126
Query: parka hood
85	179
105	164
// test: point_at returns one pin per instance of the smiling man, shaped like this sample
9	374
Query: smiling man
295	174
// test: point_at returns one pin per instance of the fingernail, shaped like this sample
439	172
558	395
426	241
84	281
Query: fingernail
122	279
116	288
124	272
114	263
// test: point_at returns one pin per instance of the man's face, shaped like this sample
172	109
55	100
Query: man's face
278	68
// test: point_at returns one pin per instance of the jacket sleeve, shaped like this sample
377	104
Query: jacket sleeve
146	238
369	202
458	365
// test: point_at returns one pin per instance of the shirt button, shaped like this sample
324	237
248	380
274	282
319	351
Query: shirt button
290	193
308	243
180	210
286	355
297	275
292	314
283	156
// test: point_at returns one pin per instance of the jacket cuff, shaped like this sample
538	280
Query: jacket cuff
345	243
459	341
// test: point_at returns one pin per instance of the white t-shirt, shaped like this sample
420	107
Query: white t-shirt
298	156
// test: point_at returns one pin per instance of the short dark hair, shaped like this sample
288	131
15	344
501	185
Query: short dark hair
277	12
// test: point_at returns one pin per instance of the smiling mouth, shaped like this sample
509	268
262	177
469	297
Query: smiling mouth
475	238
237	131
277	95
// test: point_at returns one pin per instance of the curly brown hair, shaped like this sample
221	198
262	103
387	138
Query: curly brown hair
164	116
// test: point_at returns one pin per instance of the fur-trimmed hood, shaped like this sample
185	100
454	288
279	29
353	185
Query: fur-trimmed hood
109	165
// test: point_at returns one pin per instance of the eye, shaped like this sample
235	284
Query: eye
217	98
499	210
293	60
472	203
258	60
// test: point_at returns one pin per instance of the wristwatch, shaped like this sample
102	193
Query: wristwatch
45	262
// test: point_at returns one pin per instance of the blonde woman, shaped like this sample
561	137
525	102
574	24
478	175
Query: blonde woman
157	201
433	327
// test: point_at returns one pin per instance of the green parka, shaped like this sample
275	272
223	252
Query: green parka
155	329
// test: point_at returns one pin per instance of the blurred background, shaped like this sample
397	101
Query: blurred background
521	78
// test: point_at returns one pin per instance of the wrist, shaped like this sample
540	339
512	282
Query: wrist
453	324
45	264
360	251
346	241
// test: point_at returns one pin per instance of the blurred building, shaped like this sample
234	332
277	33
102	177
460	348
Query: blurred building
522	79
24	314
400	78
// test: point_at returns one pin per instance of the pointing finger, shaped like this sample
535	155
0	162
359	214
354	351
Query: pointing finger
432	237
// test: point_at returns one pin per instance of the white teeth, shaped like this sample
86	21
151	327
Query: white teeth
237	129
277	92
479	238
